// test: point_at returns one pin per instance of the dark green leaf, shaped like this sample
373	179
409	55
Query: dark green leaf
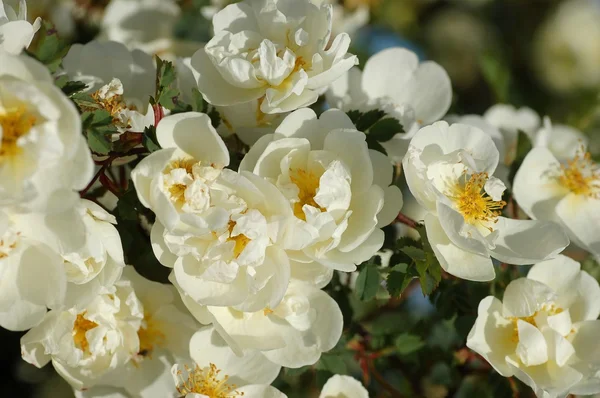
332	363
367	283
149	140
368	119
385	129
408	343
98	142
375	145
296	372
215	117
69	87
354	116
397	282
414	253
200	105
497	76
50	49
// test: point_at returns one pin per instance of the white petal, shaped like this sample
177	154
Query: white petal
261	391
492	335
581	216
206	347
344	386
350	146
513	245
392	203
523	297
454	260
532	348
194	134
537	193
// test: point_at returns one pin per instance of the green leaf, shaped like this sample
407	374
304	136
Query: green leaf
408	343
296	372
414	253
385	129
167	92
333	363
497	75
50	49
354	116
98	142
199	105
215	117
368	119
367	282
397	282
69	87
149	139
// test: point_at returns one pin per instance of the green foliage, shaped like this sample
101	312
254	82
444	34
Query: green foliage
98	128
377	126
407	343
497	75
50	49
367	283
69	87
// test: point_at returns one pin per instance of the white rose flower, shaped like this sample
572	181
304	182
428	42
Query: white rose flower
293	334
338	189
563	141
146	25
218	372
393	80
89	246
566	193
244	120
215	227
565	47
164	337
449	170
509	120
275	51
123	87
16	33
32	275
85	345
43	155
339	386
545	330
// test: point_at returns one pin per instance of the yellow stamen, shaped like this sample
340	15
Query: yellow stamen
307	183
177	191
267	311
16	122
548	309
241	240
206	381
475	205
113	105
581	175
80	328
150	336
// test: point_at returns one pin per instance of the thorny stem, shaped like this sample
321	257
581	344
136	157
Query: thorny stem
404	219
105	164
158	114
387	386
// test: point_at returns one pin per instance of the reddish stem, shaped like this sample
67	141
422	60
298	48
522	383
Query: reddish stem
404	219
158	114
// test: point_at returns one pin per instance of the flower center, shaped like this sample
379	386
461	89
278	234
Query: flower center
241	240
150	336
307	183
475	205
581	175
177	189
8	242
548	309
206	381
16	122
80	328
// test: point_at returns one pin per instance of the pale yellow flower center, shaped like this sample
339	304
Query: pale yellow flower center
548	309
150	336
16	122
206	381
581	175
241	240
307	183
80	328
475	205
177	191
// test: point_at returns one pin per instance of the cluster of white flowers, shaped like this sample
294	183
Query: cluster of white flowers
251	247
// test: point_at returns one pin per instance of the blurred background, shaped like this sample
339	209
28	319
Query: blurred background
544	54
